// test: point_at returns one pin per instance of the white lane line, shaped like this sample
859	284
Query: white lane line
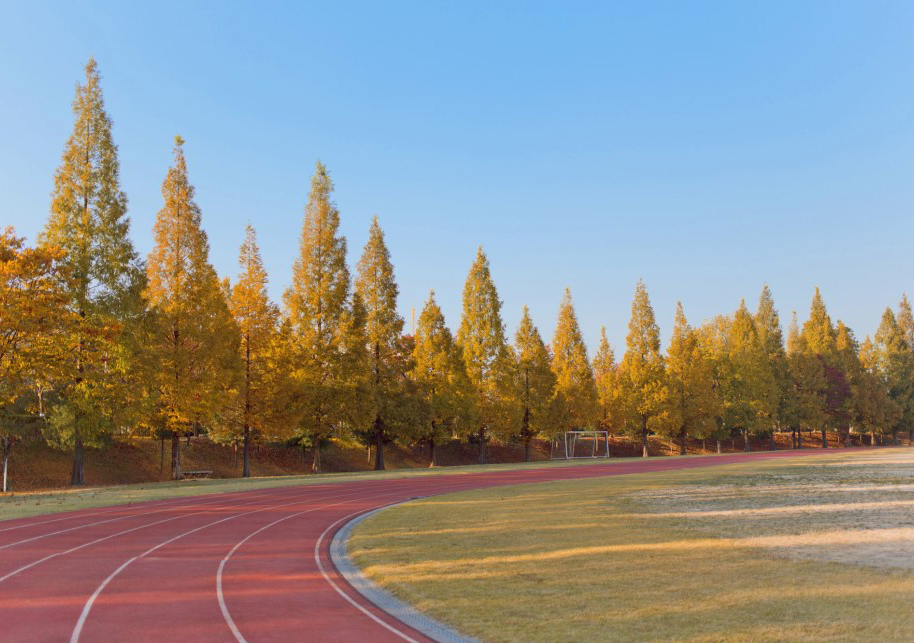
120	533
82	617
109	520
320	566
219	573
225	612
216	497
79	513
87	608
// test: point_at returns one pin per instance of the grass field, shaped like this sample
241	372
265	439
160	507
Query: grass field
797	549
30	503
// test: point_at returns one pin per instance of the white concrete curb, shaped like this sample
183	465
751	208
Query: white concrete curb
381	598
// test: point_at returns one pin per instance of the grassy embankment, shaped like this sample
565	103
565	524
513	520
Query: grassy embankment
797	549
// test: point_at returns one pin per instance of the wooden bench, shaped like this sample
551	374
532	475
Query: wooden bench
194	475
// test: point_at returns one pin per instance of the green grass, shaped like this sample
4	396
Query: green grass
658	556
24	504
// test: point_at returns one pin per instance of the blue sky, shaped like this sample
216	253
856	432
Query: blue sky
708	147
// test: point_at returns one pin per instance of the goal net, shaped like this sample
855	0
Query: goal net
580	444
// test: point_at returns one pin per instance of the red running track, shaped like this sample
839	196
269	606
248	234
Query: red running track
245	566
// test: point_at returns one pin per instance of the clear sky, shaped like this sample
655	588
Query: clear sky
706	147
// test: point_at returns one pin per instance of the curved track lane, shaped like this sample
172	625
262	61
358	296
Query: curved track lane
240	566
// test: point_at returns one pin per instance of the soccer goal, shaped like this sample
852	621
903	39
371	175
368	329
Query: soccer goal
580	444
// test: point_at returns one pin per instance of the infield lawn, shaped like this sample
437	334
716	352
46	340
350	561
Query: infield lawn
808	548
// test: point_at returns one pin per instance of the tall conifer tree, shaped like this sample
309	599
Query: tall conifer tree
750	395
573	374
606	376
195	340
327	325
642	376
258	322
535	382
905	321
691	407
768	325
897	369
440	377
377	287
807	376
877	411
820	339
481	338
89	222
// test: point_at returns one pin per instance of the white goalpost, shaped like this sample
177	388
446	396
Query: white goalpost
580	444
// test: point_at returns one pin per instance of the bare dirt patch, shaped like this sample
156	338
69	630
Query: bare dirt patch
857	510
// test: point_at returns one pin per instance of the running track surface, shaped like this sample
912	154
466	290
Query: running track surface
242	566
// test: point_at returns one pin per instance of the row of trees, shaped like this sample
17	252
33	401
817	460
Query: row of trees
95	341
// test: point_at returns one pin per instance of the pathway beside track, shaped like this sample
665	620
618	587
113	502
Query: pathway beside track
240	566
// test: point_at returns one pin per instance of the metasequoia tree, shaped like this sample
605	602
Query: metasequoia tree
714	337
481	338
326	325
905	321
691	402
89	222
876	409
440	378
820	337
807	377
536	382
377	287
749	395
34	317
897	370
847	360
771	337
606	377
641	373
574	380
254	404
195	339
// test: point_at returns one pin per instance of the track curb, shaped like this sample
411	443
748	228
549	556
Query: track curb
381	598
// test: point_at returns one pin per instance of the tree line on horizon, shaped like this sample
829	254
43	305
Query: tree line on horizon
95	342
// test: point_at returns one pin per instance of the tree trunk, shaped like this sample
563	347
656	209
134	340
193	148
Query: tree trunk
379	448
78	474
895	436
162	453
644	442
482	445
175	456
704	445
235	449
6	458
432	459
799	438
246	457
773	445
528	448
682	441
824	439
316	453
718	446
746	446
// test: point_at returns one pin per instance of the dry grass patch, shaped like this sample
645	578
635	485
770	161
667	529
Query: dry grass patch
686	555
